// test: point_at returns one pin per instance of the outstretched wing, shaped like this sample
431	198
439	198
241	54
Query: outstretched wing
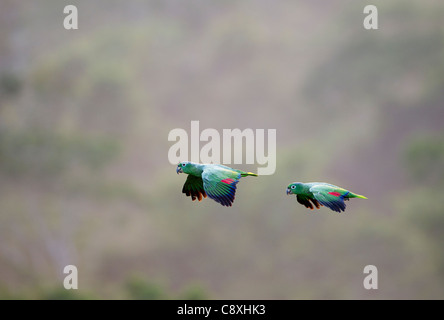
304	200
220	184
193	188
330	196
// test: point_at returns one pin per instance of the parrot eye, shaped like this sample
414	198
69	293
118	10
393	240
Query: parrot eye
293	186
183	164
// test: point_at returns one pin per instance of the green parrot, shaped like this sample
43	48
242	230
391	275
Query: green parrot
321	194
215	180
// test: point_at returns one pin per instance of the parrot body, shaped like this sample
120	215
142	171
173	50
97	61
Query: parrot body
317	194
215	180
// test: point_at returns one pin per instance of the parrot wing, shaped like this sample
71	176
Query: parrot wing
220	184
330	196
304	200
194	187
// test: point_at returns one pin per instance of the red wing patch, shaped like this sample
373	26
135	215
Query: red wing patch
227	181
336	194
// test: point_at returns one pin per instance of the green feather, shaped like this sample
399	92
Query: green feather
215	180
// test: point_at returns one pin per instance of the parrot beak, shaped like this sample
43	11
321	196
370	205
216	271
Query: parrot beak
179	170
288	191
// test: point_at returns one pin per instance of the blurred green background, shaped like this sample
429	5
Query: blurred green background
84	173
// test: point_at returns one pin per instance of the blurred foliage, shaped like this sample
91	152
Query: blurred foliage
424	157
139	288
136	288
193	292
64	294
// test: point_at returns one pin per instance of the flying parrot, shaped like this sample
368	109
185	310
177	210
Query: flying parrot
215	180
321	194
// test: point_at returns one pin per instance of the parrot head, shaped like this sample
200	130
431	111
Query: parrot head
183	167
294	188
